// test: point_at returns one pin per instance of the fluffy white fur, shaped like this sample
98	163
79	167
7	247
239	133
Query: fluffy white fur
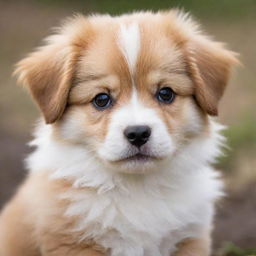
136	214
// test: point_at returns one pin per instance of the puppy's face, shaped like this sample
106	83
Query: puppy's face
131	89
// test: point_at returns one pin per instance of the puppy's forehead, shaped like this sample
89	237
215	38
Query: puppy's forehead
146	45
130	48
128	40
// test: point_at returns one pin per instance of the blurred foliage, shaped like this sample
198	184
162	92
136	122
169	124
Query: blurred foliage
229	249
239	137
243	135
202	8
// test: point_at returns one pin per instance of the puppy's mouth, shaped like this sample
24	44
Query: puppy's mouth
138	157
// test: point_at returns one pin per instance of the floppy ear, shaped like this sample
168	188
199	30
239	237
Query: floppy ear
48	73
209	65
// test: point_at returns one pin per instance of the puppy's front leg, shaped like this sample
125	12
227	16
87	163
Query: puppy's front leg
194	247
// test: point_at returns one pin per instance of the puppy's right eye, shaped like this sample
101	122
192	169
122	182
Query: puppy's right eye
102	101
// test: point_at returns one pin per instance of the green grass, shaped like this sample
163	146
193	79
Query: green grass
203	8
229	249
243	134
240	137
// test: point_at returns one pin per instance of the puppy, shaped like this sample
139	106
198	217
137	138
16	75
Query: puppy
122	159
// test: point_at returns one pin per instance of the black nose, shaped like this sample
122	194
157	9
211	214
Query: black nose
137	135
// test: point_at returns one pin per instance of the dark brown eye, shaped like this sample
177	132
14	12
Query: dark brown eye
165	95
102	101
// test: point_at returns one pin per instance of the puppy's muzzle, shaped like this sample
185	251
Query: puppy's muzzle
137	135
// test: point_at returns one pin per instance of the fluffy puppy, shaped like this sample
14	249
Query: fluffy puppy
122	159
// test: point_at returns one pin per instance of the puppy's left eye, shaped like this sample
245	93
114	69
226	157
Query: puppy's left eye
165	95
102	101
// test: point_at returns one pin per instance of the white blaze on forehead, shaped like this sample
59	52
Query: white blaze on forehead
129	43
136	109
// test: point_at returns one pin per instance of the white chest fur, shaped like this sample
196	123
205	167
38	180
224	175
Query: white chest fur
138	215
142	219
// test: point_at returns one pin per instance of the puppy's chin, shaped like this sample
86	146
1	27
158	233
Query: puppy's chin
136	164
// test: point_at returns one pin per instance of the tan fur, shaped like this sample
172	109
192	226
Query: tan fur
209	65
24	227
208	62
48	76
65	75
195	246
49	72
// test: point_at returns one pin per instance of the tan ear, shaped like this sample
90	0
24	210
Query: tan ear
47	73
209	65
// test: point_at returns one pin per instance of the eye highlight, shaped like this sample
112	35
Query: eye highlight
165	95
102	101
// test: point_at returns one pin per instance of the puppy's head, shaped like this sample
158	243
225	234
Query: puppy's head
131	89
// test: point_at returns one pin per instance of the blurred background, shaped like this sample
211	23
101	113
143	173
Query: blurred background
23	24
